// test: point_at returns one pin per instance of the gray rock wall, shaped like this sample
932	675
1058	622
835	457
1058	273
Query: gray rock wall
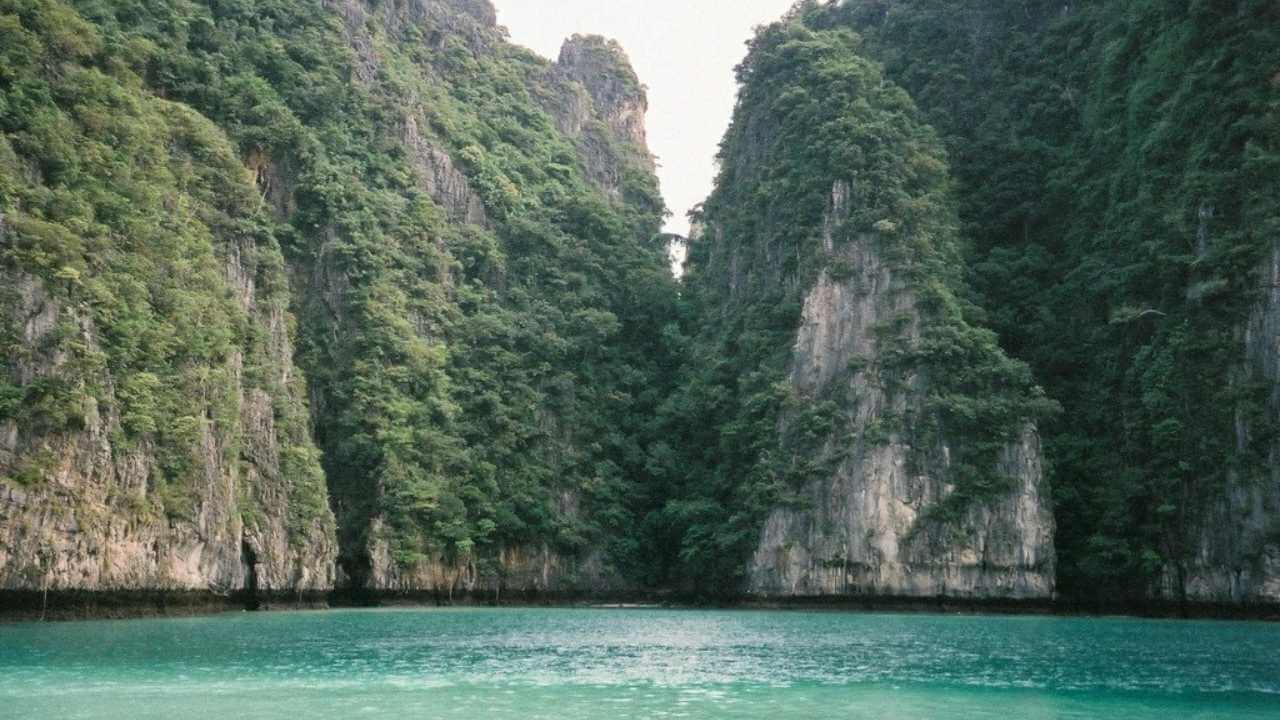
598	102
1235	549
865	529
92	521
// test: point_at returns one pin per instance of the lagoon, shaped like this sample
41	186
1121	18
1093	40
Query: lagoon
618	664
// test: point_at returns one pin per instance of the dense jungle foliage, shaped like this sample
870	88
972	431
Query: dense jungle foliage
1081	196
1116	169
813	112
471	383
1112	169
122	207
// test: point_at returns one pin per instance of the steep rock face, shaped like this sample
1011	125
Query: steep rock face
866	529
75	526
153	429
1234	554
430	289
868	437
442	180
289	543
521	570
598	101
455	174
472	21
88	518
1164	454
603	69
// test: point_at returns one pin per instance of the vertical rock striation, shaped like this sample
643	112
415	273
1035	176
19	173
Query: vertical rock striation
83	509
1120	230
154	433
884	441
598	101
618	99
866	529
1234	550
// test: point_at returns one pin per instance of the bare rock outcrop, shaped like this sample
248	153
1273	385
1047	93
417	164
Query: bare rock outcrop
597	100
89	517
1234	550
868	528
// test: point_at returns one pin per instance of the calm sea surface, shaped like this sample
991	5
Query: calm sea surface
617	664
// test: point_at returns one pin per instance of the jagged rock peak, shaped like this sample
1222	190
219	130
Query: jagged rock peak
603	68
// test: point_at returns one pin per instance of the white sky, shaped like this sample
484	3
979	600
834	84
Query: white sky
684	50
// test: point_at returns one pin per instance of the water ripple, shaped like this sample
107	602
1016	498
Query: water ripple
620	664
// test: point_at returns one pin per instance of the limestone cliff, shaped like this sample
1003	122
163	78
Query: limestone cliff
601	66
1234	550
154	432
386	194
870	438
512	573
598	101
84	509
866	528
587	112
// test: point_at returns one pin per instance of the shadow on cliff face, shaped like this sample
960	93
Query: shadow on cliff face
249	559
352	589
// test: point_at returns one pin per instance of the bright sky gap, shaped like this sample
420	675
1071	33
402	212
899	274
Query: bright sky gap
683	50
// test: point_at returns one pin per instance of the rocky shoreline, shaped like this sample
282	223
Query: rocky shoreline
30	606
25	605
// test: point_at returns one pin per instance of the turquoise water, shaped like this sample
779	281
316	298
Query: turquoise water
620	664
